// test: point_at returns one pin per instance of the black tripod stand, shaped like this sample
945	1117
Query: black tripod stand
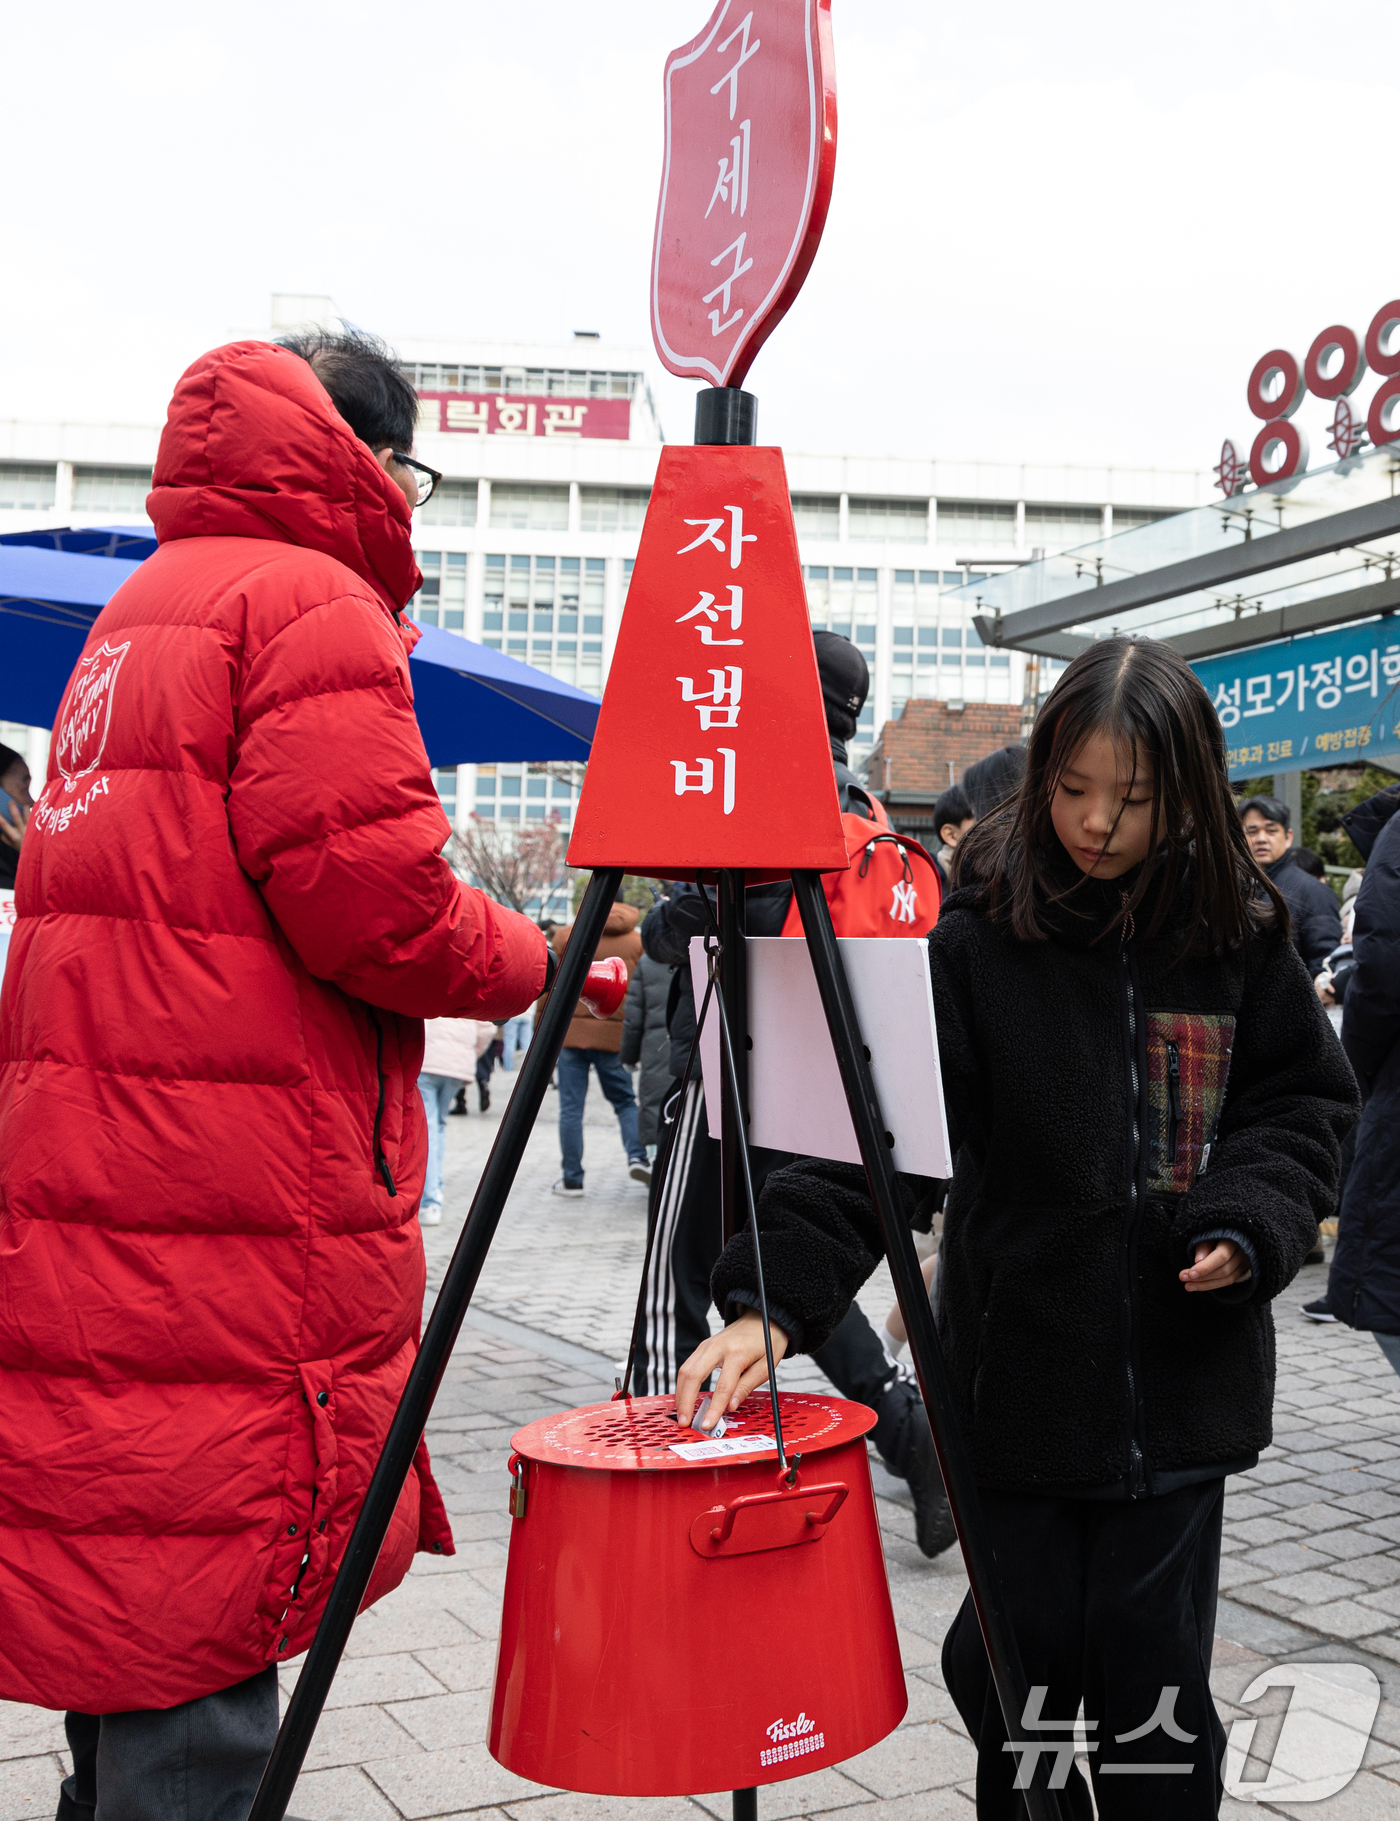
439	1337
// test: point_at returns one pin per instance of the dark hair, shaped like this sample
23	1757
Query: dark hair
9	757
365	382
1310	862
1272	809
993	779
953	807
1145	698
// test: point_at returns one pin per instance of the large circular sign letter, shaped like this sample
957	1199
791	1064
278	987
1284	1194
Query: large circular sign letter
1352	364
1279	364
1383	420
1280	451
1385	321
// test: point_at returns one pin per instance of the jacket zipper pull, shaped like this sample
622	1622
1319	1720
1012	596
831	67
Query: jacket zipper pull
1174	1097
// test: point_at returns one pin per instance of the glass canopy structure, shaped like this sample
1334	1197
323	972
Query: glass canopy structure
1293	556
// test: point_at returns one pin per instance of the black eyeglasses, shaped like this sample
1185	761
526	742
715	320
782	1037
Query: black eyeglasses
427	477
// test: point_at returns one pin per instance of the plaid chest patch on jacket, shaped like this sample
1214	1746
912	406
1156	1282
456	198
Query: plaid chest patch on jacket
1188	1063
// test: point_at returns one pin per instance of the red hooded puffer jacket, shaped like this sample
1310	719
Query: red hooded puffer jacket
233	915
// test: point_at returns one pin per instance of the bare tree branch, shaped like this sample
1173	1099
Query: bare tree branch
514	862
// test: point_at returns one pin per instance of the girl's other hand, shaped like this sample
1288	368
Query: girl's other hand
738	1353
1219	1263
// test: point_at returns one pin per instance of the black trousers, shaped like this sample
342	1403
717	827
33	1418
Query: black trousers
201	1761
685	1227
1113	1605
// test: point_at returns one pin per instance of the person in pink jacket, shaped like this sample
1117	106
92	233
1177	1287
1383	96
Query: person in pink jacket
451	1047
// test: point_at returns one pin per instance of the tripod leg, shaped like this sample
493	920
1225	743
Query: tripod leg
1042	1803
439	1338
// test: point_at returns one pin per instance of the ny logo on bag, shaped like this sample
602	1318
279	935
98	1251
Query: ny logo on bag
905	906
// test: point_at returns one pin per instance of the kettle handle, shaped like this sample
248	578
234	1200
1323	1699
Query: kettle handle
767	1520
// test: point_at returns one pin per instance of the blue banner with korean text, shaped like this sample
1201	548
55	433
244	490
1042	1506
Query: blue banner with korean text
1331	698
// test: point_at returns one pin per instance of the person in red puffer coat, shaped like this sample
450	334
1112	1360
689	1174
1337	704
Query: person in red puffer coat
233	917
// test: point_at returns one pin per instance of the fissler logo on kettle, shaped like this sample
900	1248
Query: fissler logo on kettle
792	1739
789	1729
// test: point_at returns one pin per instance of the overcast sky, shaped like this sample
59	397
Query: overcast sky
1059	231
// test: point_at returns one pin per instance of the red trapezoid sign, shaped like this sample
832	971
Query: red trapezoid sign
750	155
711	748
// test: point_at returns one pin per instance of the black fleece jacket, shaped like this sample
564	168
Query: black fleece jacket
1108	1107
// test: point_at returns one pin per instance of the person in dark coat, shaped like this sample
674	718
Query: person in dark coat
1313	910
1363	1289
1145	1101
686	1190
645	1044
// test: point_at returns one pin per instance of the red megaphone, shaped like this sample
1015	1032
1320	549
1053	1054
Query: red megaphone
606	986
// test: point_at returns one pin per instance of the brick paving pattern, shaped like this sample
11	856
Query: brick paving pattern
1311	1569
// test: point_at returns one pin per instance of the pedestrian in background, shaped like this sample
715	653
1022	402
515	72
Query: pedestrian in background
995	779
952	818
1312	864
1315	918
487	1056
15	805
593	1044
646	1046
516	1034
1145	1103
1363	1287
684	1237
450	1050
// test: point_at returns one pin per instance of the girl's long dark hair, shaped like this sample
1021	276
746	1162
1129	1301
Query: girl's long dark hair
1143	696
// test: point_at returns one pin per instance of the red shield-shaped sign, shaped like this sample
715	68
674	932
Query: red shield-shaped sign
87	714
712	747
750	154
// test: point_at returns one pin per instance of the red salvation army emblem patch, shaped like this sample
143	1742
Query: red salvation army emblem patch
750	156
82	729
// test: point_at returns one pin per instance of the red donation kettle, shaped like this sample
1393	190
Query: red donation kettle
678	1618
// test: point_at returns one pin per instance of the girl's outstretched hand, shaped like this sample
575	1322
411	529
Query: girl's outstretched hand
738	1352
1219	1263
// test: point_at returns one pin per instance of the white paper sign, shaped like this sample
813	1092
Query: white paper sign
716	1450
796	1101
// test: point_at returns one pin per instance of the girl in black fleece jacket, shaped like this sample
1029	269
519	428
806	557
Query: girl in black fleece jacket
1146	1103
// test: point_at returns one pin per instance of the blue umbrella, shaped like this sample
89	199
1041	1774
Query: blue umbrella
474	705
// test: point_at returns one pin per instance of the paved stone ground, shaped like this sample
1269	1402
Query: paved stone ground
1311	1570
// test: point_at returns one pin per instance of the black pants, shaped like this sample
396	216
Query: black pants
201	1761
1113	1605
684	1222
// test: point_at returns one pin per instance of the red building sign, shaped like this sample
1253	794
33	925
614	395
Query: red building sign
749	159
512	414
1334	367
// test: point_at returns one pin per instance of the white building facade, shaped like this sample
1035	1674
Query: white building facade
549	453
